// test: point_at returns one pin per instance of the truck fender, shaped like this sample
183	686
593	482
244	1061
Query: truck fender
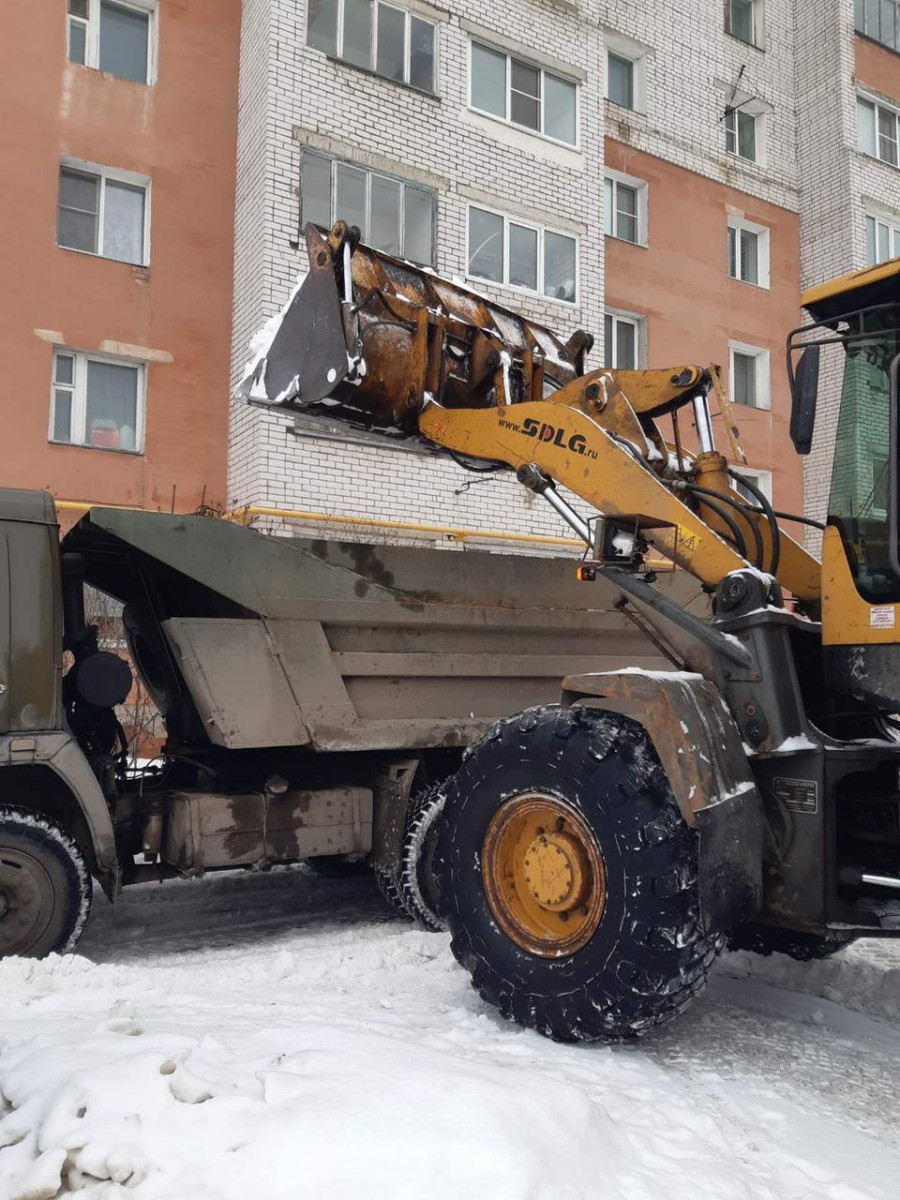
702	753
60	752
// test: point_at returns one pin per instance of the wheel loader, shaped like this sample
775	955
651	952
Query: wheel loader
592	857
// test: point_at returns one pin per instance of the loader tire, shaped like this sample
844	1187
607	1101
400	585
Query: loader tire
45	886
803	947
568	811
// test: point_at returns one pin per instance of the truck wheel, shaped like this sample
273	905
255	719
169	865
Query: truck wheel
769	939
417	887
45	887
411	890
568	877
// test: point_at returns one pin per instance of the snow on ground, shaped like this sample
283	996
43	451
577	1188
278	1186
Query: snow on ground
284	1035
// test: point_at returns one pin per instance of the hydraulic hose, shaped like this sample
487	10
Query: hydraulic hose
767	508
724	515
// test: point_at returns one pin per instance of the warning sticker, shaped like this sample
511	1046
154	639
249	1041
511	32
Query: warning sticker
881	616
799	795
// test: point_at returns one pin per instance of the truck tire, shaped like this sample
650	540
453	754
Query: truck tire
568	877
45	886
410	890
416	884
803	947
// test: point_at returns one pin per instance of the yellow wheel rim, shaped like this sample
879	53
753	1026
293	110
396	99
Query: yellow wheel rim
543	875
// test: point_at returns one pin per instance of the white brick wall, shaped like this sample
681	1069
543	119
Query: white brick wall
293	96
839	185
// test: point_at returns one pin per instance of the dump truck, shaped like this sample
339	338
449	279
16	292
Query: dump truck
312	694
592	857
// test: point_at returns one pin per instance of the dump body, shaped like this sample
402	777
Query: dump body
348	646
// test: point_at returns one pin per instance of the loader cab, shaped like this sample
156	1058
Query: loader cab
848	359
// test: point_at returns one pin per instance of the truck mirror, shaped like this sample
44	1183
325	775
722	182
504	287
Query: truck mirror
804	392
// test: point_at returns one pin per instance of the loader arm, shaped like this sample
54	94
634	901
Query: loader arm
380	343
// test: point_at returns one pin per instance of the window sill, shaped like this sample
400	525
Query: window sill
525	293
614	109
111	74
739	159
92	254
760	287
881	161
627	241
104	449
408	87
741	41
875	42
573	147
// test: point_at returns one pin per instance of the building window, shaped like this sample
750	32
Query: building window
619	80
379	37
744	19
740	133
622	340
522	94
882	240
624	208
761	479
113	35
880	21
97	402
748	252
509	252
103	213
392	215
878	128
749	375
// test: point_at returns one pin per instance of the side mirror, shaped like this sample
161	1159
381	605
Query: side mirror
804	393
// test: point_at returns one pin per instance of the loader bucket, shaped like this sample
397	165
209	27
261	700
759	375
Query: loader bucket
372	339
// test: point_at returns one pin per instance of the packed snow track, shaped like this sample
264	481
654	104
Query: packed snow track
285	1035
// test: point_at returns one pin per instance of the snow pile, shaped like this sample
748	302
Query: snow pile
864	978
285	1036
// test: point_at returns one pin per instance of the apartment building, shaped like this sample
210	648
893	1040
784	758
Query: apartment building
116	236
848	111
631	169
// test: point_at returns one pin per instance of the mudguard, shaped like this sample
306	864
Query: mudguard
702	754
59	751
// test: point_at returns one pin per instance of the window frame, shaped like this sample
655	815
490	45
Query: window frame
641	190
107	173
372	66
91	26
763	380
878	106
762	261
507	120
78	390
541	230
732	122
761	476
892	224
634	52
638	323
758	17
861	9
334	161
